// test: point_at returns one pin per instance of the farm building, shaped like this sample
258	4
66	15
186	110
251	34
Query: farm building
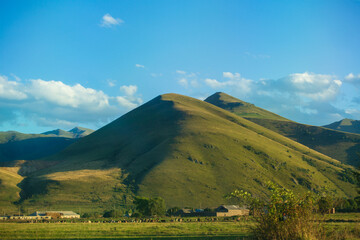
231	210
56	214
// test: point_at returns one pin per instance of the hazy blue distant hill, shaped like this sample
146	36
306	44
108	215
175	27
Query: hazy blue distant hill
346	125
76	132
339	145
20	146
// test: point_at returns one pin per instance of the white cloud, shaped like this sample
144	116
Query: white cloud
187	80
109	21
123	101
61	94
129	90
54	102
213	83
318	87
10	89
139	66
181	72
156	75
352	77
234	80
183	82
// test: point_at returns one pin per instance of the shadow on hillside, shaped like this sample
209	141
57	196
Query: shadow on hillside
34	148
31	187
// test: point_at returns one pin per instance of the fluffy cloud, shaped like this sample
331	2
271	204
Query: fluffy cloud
232	80
187	79
129	101
352	77
108	21
10	90
129	90
60	94
309	86
54	102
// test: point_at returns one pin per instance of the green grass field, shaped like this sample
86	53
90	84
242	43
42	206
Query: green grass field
338	226
121	230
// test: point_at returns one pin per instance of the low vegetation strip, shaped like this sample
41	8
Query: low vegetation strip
123	230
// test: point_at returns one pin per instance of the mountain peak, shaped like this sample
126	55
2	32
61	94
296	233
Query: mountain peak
241	108
345	125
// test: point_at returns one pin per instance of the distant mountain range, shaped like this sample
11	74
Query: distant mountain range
76	132
20	146
346	125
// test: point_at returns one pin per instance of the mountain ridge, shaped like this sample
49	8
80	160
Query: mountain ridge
339	145
345	125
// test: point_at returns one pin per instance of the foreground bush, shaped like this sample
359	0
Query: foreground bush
283	216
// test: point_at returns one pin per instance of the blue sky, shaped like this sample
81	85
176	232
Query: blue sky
69	63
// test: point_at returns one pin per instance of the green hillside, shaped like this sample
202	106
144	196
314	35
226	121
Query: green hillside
346	125
20	146
9	191
241	108
344	147
185	150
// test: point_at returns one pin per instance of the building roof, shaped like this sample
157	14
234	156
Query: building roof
231	207
64	213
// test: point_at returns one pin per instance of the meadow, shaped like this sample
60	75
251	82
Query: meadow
337	226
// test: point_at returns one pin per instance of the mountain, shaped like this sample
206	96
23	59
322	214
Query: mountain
338	145
346	125
79	132
187	151
76	132
20	146
241	108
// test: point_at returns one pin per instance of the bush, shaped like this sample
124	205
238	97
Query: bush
112	214
283	216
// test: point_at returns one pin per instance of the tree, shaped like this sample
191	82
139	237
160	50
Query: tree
150	206
325	203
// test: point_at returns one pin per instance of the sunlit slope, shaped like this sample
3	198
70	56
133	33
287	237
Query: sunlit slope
241	108
339	145
9	191
189	152
346	125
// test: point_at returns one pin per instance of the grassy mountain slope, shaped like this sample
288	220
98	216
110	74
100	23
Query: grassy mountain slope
19	146
346	125
187	151
241	108
9	191
339	145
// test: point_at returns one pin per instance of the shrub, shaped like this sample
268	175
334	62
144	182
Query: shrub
283	216
112	214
